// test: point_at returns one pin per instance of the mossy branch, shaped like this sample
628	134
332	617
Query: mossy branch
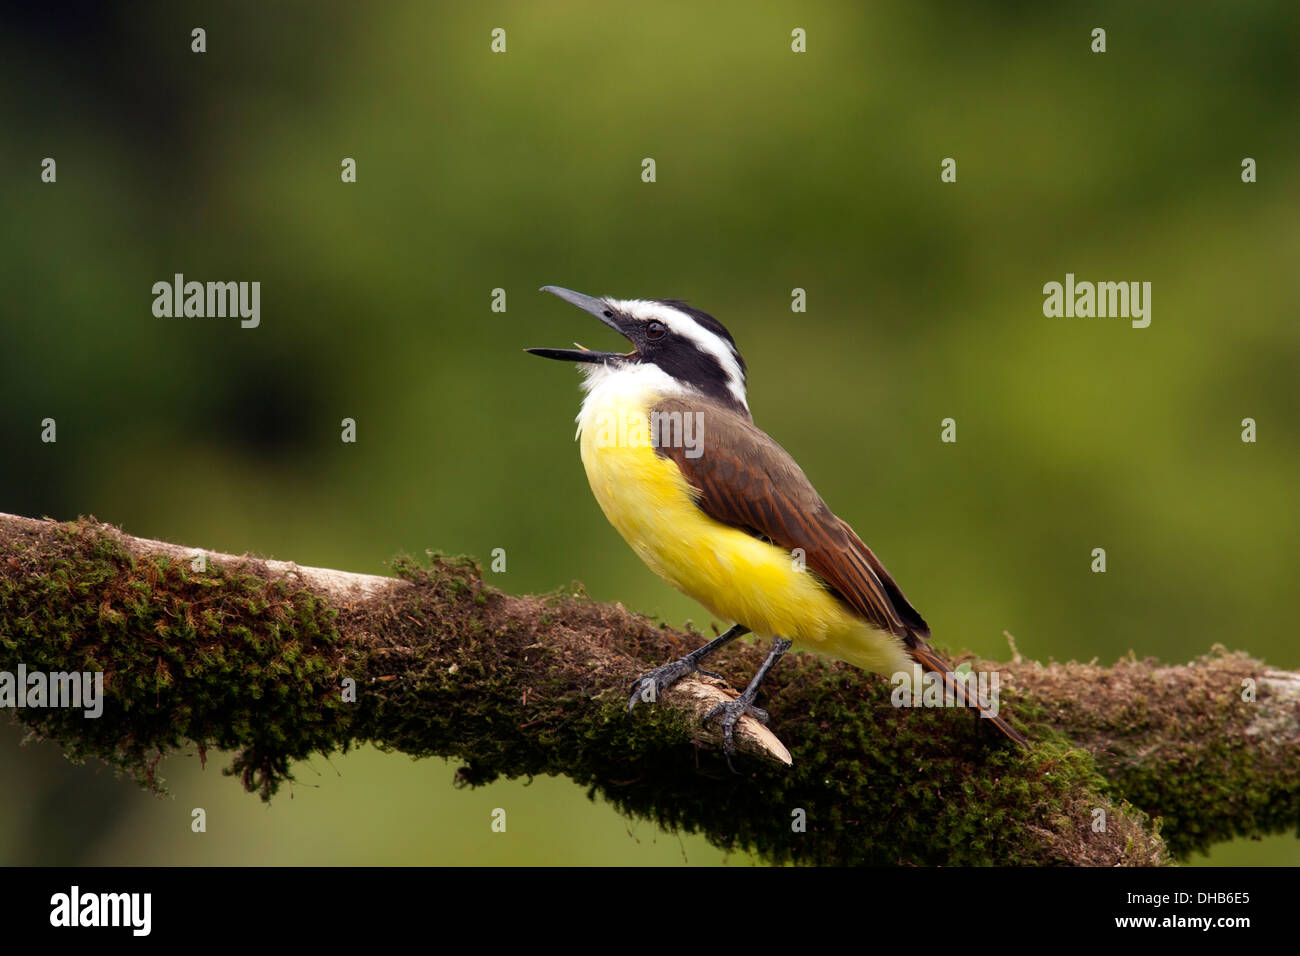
253	656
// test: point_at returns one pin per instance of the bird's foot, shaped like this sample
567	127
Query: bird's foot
731	713
649	686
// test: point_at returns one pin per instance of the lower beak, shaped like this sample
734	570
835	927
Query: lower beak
596	307
575	355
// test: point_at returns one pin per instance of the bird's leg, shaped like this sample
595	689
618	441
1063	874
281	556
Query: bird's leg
733	710
649	686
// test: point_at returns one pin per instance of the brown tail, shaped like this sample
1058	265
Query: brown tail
929	659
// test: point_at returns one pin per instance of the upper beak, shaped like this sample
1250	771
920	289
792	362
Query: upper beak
597	307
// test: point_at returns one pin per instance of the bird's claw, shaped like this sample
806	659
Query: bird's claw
649	686
731	712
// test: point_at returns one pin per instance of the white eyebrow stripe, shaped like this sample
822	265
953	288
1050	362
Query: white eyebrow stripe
682	324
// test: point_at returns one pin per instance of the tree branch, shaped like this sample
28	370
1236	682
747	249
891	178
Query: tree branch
255	656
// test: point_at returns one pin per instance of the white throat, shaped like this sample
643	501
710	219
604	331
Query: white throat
634	384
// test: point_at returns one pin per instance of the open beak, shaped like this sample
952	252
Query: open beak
600	310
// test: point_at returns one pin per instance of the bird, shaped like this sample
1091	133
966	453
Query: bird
723	513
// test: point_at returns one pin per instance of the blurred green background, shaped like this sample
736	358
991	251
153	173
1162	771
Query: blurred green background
775	170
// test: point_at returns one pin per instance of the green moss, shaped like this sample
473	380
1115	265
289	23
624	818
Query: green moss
1220	791
921	787
529	686
222	659
1179	742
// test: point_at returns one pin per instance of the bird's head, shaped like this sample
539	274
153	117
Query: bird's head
689	346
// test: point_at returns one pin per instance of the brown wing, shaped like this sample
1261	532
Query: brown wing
747	480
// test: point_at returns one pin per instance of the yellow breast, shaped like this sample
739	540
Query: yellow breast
734	575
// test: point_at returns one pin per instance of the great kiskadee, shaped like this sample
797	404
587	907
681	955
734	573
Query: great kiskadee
723	513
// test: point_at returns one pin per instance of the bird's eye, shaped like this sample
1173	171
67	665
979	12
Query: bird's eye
655	331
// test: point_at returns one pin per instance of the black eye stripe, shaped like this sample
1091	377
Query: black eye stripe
709	323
